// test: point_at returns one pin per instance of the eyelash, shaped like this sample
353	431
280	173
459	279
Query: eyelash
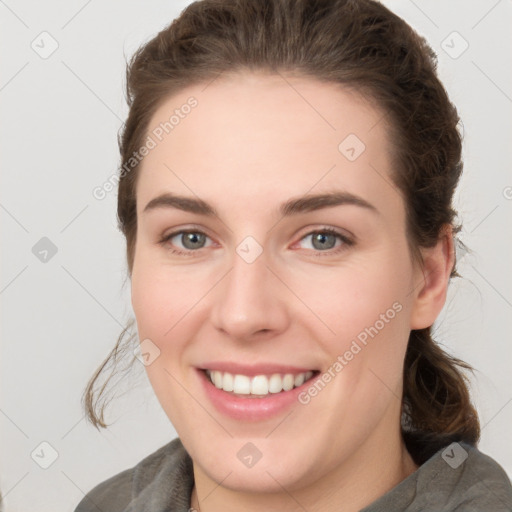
347	242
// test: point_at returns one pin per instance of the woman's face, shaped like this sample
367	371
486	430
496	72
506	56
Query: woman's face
259	288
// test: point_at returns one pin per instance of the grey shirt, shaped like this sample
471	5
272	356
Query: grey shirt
457	478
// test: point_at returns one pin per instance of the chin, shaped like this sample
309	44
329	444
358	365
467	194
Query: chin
268	479
278	466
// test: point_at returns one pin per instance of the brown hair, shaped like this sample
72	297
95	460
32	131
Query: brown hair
358	44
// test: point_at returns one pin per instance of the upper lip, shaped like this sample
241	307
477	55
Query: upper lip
253	369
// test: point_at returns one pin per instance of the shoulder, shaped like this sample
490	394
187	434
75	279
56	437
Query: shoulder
168	469
458	477
467	480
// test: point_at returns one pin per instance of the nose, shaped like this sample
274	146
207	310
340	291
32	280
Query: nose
250	301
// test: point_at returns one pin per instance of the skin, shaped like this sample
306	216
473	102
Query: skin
253	142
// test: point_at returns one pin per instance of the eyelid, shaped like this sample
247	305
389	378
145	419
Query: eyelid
343	233
185	229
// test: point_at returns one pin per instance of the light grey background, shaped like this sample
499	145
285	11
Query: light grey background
60	117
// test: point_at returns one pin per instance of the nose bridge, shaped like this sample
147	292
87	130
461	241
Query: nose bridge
248	300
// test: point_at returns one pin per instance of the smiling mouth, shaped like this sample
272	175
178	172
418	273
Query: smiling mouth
258	386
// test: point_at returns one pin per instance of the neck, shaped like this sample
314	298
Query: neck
382	461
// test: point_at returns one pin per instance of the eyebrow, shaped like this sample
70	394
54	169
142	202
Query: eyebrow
294	206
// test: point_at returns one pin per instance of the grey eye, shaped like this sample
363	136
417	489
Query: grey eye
191	240
323	240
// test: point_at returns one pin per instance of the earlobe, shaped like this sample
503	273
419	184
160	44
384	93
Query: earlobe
433	276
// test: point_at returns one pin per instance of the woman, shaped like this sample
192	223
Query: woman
286	192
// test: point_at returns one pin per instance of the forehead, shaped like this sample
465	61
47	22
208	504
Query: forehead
267	136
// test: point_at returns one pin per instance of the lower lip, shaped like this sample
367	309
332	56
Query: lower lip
251	409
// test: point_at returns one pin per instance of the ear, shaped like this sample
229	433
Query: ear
432	279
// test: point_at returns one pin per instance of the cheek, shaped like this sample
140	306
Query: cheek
170	308
150	301
160	298
367	309
351	300
161	305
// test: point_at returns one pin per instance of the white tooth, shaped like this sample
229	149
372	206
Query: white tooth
299	380
242	384
275	384
259	385
217	379
288	382
227	382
